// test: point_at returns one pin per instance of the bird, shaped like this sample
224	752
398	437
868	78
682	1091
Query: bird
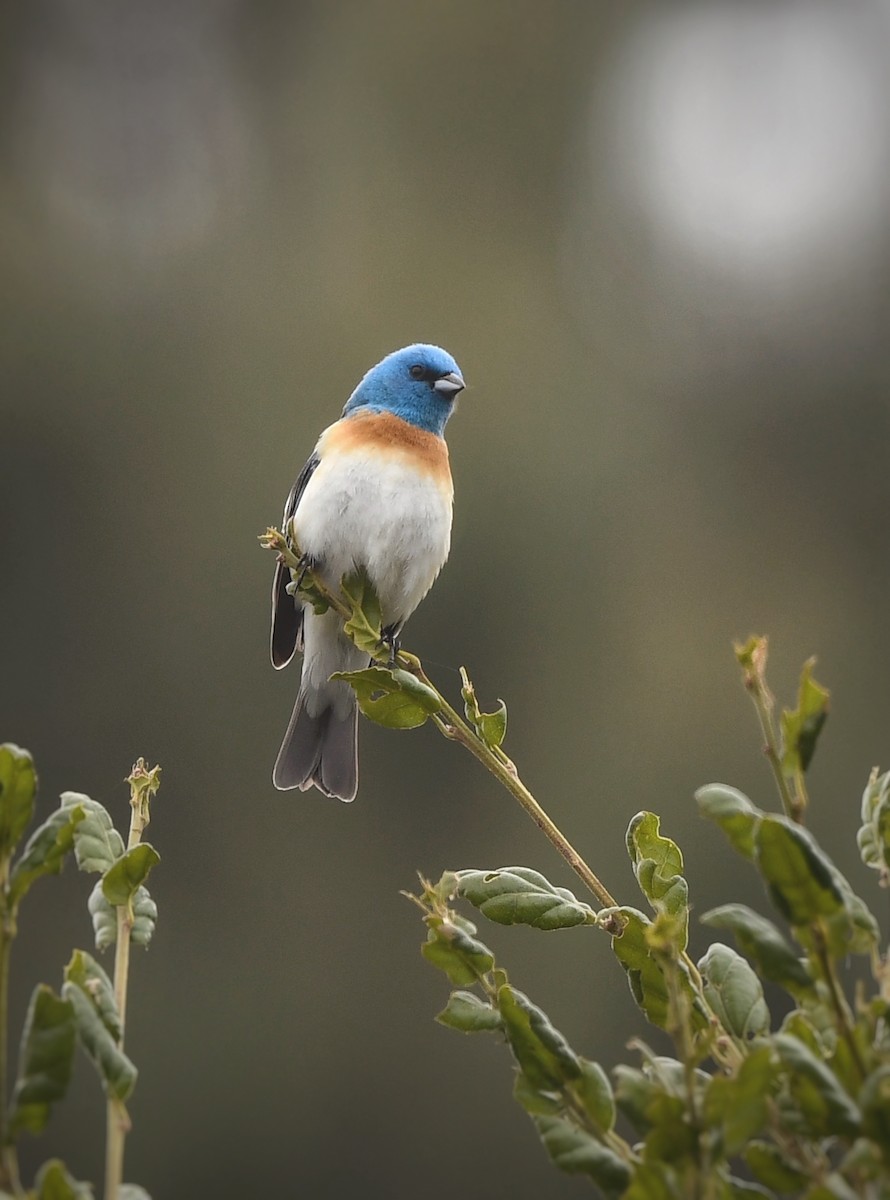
376	495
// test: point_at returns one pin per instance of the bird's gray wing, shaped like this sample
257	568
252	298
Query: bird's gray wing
287	614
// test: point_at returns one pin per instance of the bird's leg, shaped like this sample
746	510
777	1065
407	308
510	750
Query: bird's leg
389	636
306	563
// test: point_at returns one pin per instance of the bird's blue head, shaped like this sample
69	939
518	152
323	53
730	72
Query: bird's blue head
419	384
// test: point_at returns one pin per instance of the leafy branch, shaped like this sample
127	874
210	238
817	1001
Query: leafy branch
802	1104
89	1009
400	695
404	697
789	750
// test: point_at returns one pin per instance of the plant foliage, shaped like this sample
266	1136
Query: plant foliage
752	1102
87	1011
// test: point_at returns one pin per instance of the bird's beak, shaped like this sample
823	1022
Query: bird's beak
449	385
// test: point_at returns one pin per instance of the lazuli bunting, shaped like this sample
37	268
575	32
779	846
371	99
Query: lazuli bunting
376	494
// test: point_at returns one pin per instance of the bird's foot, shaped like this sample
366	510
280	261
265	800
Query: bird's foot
389	636
305	563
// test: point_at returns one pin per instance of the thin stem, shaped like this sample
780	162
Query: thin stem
805	1155
5	949
504	770
609	1137
11	1165
680	1029
843	1019
9	1171
791	804
7	932
752	657
122	962
117	1123
801	798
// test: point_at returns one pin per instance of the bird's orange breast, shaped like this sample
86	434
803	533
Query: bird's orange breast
389	436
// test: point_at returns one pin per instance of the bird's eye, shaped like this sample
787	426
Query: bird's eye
416	372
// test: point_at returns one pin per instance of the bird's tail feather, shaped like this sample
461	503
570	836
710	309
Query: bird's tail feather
320	751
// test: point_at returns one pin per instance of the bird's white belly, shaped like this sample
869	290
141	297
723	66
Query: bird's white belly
382	514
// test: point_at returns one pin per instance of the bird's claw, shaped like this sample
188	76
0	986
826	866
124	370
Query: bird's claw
305	563
389	636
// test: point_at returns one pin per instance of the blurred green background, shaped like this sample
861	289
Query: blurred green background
655	237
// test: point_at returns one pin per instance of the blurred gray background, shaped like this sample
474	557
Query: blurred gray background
655	237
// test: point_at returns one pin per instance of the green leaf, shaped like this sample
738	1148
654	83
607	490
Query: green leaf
739	1104
832	1187
145	917
573	1148
800	1025
385	699
428	698
468	1014
577	1152
97	844
654	1181
363	627
644	974
842	1060
438	895
104	915
635	1094
770	1166
104	918
54	1183
762	942
658	866
796	871
802	726
18	787
873	837
90	993
825	1106
46	1059
455	951
520	896
657	1095
490	727
672	1138
665	935
595	1093
733	812
591	1092
733	992
857	931
493	726
805	885
875	1102
864	1160
543	1054
84	972
45	851
537	1103
122	880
